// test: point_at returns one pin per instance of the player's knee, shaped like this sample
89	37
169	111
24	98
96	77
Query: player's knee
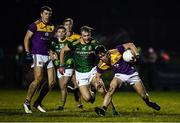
101	90
35	84
63	84
111	90
51	84
87	98
114	85
38	78
99	86
63	87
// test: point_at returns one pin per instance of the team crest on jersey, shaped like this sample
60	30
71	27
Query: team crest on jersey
90	48
84	48
116	65
61	46
46	34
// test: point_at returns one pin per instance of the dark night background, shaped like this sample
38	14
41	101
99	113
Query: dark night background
147	23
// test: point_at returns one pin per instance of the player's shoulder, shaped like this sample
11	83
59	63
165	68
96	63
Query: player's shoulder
73	37
112	51
33	26
37	22
103	66
115	54
75	42
94	41
40	24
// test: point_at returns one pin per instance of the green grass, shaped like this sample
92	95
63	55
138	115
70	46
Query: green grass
130	106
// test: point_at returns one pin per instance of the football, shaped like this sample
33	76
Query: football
128	56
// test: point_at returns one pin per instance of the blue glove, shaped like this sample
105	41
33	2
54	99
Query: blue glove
28	58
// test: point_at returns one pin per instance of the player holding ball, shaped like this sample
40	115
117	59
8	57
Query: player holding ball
125	72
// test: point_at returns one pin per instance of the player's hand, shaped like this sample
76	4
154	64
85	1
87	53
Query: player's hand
28	58
135	56
53	55
61	70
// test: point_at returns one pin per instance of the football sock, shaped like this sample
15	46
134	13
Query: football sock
104	108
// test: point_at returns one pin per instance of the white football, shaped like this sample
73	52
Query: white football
128	56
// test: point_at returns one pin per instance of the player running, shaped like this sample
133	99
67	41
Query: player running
58	43
72	36
85	65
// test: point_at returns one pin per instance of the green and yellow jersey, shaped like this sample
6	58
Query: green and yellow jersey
56	46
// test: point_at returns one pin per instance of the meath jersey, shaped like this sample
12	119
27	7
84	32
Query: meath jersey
56	46
41	35
84	55
117	64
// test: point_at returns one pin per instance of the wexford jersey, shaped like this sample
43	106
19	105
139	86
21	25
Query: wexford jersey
84	55
74	37
56	46
118	65
40	39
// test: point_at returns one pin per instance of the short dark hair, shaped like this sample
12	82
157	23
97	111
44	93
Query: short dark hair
68	19
45	8
100	49
59	27
86	29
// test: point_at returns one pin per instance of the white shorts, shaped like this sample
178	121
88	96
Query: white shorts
67	72
130	79
85	78
41	61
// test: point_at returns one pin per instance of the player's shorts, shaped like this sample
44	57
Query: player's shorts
67	72
85	78
42	61
130	79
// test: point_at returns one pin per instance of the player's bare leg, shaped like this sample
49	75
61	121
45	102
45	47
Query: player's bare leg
63	87
45	89
140	89
38	75
86	93
77	96
107	95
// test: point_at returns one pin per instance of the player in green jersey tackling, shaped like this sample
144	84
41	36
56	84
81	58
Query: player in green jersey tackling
85	65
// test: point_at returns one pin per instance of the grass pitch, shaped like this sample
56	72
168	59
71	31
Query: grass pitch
129	105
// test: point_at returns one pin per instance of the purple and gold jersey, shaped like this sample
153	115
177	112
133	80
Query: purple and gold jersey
74	37
41	37
117	64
